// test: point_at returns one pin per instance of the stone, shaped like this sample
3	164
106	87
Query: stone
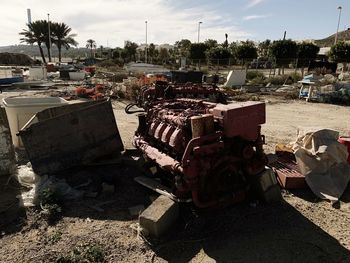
159	216
272	194
267	186
267	179
7	155
136	210
108	188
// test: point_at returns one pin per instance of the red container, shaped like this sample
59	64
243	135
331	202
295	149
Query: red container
91	70
346	142
50	68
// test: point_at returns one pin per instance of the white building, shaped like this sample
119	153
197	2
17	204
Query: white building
142	46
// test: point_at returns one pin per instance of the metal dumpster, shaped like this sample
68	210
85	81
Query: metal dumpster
59	138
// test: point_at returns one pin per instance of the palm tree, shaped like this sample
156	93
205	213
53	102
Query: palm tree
90	43
45	31
62	37
35	34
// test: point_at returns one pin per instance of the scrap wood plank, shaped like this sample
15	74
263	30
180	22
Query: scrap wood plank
158	187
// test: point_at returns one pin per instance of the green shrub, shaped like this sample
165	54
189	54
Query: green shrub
295	76
118	61
120	94
118	77
50	196
258	80
255	74
50	202
277	80
135	91
291	96
55	237
107	63
280	80
84	253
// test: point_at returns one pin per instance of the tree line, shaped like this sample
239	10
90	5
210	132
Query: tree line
281	52
41	33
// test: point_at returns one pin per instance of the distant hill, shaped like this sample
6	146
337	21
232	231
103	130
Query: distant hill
33	51
15	59
329	41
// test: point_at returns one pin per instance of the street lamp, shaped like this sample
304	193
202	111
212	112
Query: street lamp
146	43
199	29
48	25
336	35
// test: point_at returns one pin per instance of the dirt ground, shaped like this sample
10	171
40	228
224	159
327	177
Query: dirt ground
300	228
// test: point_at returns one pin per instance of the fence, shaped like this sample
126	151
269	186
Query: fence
267	67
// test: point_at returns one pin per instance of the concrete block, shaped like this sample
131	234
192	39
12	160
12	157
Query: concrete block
108	189
267	179
136	210
159	216
272	194
267	186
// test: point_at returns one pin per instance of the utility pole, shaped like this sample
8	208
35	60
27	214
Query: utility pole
146	43
336	35
29	15
48	25
199	29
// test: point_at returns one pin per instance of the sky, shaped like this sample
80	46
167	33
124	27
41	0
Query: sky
111	22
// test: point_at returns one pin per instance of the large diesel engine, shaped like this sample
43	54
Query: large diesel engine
165	90
209	152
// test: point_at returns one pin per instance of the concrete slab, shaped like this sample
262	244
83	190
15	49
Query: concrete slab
7	156
159	216
136	210
267	186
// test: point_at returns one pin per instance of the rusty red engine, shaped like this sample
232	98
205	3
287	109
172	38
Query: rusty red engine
161	90
205	151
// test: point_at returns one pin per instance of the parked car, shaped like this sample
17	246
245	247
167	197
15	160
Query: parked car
261	64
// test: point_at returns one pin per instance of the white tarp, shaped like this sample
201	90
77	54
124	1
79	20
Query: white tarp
34	185
236	78
323	161
37	73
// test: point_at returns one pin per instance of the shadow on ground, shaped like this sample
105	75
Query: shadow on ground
306	194
241	233
11	213
96	203
267	233
111	204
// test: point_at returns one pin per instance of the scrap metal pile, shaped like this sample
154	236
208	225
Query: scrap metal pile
209	152
163	90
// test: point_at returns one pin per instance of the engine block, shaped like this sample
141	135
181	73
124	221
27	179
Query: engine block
206	151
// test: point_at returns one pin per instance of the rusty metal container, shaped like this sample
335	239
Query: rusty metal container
346	141
59	138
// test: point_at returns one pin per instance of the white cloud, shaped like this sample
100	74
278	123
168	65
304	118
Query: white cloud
252	17
253	3
115	21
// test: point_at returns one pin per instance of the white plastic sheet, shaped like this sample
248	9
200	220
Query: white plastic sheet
323	161
34	184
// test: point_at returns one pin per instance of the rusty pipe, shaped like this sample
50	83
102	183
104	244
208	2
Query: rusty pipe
163	160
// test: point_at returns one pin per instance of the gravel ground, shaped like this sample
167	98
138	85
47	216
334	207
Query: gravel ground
299	229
